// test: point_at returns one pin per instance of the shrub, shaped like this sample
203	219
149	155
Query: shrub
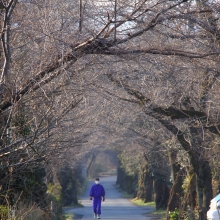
4	212
174	215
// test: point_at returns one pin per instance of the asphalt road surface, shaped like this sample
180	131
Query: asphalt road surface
114	206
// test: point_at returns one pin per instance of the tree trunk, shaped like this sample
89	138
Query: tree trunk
216	186
126	183
199	163
80	15
149	189
203	187
161	193
145	184
120	175
203	173
189	200
177	174
89	166
176	192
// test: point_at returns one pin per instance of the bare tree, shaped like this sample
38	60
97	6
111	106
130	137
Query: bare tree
164	60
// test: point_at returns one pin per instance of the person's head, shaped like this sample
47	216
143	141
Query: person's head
97	181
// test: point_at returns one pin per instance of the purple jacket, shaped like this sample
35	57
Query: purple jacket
97	190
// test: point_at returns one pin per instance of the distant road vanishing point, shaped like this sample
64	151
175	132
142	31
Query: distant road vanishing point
114	207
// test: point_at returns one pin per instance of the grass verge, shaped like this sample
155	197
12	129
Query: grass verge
67	216
160	214
78	205
71	216
140	202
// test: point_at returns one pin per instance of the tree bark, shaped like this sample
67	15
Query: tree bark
189	200
204	188
161	193
200	165
80	15
176	192
92	160
145	184
126	183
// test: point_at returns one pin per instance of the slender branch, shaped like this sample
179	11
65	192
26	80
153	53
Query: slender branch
171	111
97	45
30	139
154	21
2	6
167	52
179	135
80	15
129	17
122	98
5	37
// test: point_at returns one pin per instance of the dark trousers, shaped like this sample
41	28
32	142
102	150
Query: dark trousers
97	205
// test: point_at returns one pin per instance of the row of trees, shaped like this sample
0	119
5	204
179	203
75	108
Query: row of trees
140	76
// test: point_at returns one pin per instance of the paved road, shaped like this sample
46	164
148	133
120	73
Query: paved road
114	207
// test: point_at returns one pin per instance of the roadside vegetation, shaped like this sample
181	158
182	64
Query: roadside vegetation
140	202
161	213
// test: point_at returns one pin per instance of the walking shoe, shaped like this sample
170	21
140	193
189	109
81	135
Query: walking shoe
98	216
95	215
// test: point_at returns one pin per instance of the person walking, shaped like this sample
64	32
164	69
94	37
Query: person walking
97	195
